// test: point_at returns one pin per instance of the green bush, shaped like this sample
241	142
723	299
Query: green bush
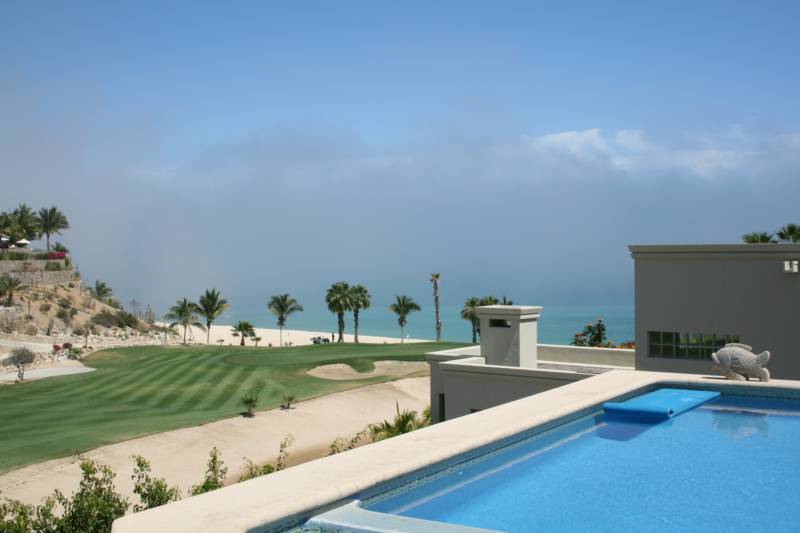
95	505
252	470
53	266
250	402
215	474
44	308
153	492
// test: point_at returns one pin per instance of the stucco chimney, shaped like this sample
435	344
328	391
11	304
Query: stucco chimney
509	334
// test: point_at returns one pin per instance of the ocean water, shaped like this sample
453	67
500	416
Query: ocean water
730	465
557	325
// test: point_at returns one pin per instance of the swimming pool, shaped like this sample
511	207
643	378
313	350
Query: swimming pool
729	465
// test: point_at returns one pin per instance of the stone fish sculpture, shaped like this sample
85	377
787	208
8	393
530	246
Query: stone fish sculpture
737	361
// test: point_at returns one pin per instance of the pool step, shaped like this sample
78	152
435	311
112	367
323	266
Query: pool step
354	519
658	405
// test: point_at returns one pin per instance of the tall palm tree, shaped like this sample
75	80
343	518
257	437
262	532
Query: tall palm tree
210	306
758	237
339	301
51	221
470	312
283	305
8	285
438	320
243	329
789	233
101	290
360	299
26	222
403	306
506	301
184	313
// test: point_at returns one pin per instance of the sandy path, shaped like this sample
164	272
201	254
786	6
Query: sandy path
180	455
382	368
63	368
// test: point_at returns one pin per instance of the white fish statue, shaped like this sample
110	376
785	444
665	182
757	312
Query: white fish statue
737	361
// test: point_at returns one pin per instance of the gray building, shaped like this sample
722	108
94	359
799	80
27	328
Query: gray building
691	299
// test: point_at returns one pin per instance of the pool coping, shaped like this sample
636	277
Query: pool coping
289	497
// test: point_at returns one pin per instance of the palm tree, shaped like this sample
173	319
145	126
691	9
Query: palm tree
101	290
360	299
789	233
184	313
256	340
470	312
243	329
506	301
339	301
283	305
26	222
210	306
438	320
489	300
8	285
403	306
757	237
51	221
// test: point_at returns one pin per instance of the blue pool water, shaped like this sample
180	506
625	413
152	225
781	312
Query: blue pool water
730	465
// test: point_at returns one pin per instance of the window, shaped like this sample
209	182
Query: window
499	323
441	407
698	346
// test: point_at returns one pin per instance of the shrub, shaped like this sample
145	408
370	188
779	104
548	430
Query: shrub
251	470
53	266
288	400
95	505
250	402
153	492
20	358
215	474
17	517
44	308
30	329
67	346
342	445
56	347
283	453
79	330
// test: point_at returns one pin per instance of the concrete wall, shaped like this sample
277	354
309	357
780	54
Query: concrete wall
584	355
466	383
470	385
719	289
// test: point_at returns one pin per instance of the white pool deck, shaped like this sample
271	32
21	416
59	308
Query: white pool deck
275	500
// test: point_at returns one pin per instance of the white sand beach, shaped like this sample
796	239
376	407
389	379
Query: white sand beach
180	455
271	336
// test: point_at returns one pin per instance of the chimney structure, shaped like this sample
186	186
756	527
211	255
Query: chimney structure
509	334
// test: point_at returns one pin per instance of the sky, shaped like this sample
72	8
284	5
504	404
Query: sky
515	147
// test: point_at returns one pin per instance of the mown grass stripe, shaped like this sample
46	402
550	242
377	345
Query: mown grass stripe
207	386
228	388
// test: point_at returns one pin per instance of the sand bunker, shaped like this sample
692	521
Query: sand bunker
382	368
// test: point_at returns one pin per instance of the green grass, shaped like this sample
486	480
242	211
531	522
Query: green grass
143	390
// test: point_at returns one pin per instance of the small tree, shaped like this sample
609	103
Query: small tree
153	492
95	505
593	335
250	402
215	474
256	340
288	400
283	453
20	358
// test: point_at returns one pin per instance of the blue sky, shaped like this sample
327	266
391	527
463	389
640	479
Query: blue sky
516	147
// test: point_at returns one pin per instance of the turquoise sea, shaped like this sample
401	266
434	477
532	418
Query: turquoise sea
557	324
